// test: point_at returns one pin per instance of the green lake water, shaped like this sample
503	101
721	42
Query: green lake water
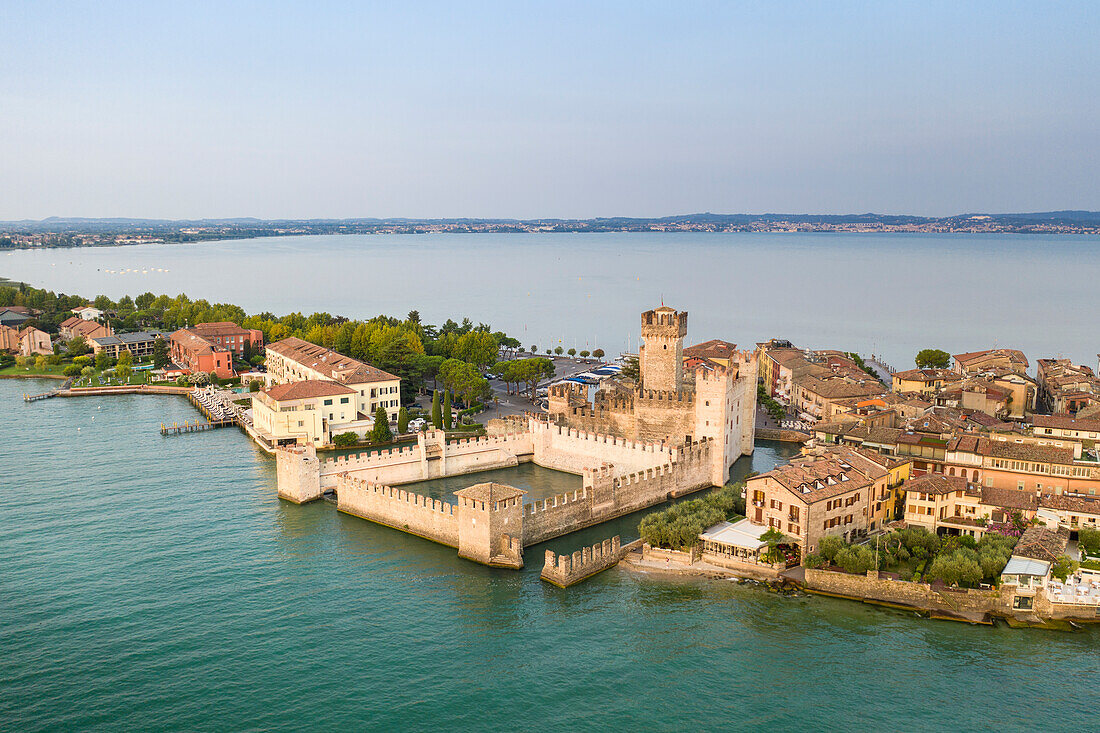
153	583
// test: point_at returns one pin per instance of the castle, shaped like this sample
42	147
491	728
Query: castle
671	403
673	434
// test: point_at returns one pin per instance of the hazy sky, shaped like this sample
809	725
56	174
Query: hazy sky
322	109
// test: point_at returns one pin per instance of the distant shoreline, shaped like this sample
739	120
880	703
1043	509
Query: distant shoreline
71	234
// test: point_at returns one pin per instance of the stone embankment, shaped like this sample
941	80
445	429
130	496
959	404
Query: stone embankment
969	604
699	563
125	389
566	570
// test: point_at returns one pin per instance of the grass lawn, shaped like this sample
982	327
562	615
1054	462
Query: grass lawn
51	370
101	379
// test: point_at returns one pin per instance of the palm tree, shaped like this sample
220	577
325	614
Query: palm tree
773	537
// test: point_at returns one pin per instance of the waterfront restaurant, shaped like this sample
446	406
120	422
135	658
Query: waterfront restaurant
739	541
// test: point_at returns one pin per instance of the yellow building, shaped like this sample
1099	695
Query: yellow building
295	360
303	412
924	381
957	506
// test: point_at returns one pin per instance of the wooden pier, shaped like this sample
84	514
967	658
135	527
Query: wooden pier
214	419
43	396
193	427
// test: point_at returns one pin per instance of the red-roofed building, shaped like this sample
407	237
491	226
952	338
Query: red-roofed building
211	347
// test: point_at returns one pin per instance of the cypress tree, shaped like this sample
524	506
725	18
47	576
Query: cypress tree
447	422
381	432
402	421
437	416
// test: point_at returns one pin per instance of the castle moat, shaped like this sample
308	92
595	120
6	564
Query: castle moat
537	481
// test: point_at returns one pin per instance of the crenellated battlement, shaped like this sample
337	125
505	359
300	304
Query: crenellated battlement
603	471
487	441
345	482
665	396
553	502
664	322
604	438
565	570
717	374
368	458
568	389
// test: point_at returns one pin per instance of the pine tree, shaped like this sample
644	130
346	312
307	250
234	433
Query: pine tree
402	421
447	421
381	432
437	416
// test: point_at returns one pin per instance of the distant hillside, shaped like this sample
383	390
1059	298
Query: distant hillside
56	223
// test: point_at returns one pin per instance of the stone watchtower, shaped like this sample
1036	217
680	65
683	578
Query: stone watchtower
299	473
490	524
661	355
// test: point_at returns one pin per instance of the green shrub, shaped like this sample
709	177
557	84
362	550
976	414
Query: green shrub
71	370
345	440
1089	540
1063	567
814	560
856	559
679	526
829	546
959	566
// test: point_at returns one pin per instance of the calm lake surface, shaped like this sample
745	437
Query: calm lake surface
153	583
888	294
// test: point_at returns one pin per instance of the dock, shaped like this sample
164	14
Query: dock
216	406
193	427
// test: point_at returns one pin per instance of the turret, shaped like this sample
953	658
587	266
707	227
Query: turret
661	355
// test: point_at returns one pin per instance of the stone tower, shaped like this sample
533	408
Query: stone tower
661	356
299	473
490	524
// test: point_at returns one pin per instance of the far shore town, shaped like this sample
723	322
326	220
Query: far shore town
966	488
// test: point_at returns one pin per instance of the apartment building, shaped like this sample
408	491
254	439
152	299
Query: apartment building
294	360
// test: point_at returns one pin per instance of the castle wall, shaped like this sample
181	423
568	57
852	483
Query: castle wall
665	416
420	515
606	495
572	450
432	457
392	466
555	516
566	570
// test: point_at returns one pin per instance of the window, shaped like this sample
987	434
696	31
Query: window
343	400
328	402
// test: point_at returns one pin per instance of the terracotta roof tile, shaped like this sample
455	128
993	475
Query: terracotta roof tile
307	389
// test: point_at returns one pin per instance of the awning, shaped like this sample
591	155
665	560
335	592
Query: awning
1026	566
743	534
